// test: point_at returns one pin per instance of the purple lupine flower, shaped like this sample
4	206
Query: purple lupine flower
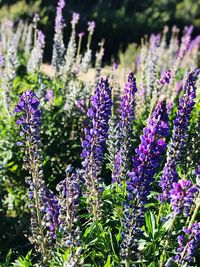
42	216
36	56
165	79
194	44
49	96
125	126
50	209
59	23
185	42
91	26
81	34
116	169
115	66
182	196
69	190
197	172
188	244
145	163
95	136
58	46
95	142
75	18
179	135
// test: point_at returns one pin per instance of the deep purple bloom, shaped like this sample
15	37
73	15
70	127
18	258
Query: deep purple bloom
188	244
59	18
127	113
145	163
96	134
165	79
182	196
69	190
179	135
95	142
42	203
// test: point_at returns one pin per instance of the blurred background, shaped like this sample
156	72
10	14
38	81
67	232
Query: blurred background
119	22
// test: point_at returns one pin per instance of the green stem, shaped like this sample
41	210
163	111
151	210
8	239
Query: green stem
167	243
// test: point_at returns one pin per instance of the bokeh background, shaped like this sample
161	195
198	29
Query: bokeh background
119	22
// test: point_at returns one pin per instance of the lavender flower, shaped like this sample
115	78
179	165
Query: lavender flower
28	41
95	139
145	163
71	48
179	135
81	34
49	96
125	128
182	197
165	79
58	47
36	56
188	244
91	27
69	190
75	19
43	205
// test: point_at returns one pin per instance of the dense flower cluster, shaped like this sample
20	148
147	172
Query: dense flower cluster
181	123
145	163
58	47
36	56
43	204
95	139
182	196
188	244
125	128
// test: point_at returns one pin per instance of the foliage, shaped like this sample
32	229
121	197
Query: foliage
85	181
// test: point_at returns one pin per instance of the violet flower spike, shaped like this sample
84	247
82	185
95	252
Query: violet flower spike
188	244
145	163
127	113
179	135
182	197
95	142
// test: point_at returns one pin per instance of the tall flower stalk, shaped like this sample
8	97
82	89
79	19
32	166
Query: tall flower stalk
94	144
58	46
145	163
179	135
122	159
43	204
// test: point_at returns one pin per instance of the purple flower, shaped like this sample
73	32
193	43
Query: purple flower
42	203
69	190
165	79
49	95
75	18
179	135
59	18
125	126
91	26
145	163
115	66
95	142
81	34
96	134
182	196
188	244
58	47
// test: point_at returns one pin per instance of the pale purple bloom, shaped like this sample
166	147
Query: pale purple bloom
49	95
75	18
91	26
